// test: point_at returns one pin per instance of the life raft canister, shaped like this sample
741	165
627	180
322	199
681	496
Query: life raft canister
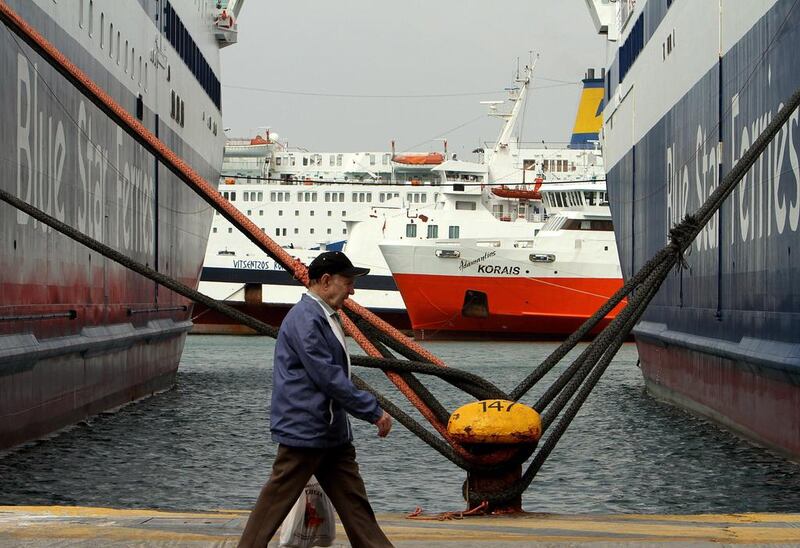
495	421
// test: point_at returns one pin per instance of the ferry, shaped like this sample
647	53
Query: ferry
80	334
689	86
544	285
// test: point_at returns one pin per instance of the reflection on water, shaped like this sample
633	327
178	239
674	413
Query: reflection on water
205	445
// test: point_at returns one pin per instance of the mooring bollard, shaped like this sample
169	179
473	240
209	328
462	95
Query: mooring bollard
485	426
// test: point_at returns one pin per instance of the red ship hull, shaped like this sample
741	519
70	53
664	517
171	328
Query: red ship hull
517	307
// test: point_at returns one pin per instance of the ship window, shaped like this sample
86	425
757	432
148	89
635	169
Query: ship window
91	18
284	232
433	231
280	213
214	230
311	231
297	231
111	40
140	71
344	231
411	230
372	159
476	304
369	197
230	230
329	231
466	205
332	160
296	212
119	40
80	14
330	213
453	232
277	231
249	212
311	213
102	30
589	198
126	57
338	159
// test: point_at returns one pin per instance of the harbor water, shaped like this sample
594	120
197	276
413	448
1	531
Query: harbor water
205	445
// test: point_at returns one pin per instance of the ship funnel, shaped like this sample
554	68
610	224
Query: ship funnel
589	118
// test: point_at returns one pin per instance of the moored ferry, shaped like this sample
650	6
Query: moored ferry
690	85
544	285
80	334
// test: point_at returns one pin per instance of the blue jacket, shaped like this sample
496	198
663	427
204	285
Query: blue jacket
311	390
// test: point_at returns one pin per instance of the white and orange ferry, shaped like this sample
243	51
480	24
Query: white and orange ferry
540	286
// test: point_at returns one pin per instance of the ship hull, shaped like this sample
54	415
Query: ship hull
722	336
80	334
758	403
516	308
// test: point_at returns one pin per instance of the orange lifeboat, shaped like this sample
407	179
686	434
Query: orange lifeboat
429	159
258	140
519	193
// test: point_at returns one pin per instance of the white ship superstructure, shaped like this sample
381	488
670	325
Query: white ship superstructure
310	201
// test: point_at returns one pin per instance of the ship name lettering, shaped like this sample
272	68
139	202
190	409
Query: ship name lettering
498	269
466	264
41	150
768	197
253	264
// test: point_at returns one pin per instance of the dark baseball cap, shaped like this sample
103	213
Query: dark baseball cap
333	262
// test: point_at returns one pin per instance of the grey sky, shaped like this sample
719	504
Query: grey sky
377	48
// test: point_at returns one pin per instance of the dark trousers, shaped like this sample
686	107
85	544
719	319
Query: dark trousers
336	470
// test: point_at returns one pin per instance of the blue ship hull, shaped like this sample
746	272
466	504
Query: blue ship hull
721	338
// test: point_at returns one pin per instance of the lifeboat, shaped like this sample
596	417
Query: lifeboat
520	193
424	159
258	140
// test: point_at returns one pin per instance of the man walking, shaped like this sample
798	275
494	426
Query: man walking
311	396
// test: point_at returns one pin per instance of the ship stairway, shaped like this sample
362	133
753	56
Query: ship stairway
495	481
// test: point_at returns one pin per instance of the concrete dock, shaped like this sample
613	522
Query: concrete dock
37	526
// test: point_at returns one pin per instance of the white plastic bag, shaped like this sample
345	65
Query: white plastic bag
311	521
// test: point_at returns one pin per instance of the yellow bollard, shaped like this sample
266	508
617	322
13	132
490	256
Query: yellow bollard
495	421
484	425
